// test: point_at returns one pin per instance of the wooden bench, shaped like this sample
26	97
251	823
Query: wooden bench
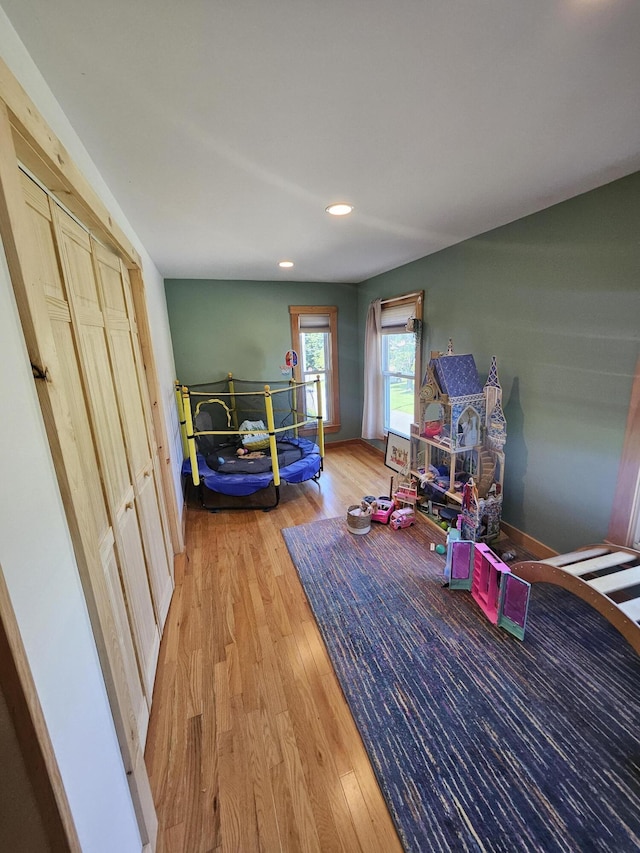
605	576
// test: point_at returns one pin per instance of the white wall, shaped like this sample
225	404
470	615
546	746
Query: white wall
36	554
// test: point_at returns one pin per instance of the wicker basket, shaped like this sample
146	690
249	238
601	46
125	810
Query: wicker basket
358	524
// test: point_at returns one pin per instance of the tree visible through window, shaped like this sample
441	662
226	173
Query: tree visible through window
314	346
398	371
314	336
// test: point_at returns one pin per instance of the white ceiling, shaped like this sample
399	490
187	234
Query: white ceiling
225	127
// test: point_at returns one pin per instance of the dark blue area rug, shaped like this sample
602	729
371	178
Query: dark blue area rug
480	742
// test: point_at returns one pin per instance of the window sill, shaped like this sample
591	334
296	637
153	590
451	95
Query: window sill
327	428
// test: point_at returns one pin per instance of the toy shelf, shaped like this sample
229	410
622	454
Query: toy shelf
457	442
443	445
444	449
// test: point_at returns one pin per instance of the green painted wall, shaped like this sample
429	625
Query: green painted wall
243	327
556	297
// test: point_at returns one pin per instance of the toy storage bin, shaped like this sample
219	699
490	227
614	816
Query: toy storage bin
358	524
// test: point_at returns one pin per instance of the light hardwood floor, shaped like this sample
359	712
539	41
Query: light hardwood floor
251	745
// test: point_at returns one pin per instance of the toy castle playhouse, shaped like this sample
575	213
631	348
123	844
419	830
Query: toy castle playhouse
457	447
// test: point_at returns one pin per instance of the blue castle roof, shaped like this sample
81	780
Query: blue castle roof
457	375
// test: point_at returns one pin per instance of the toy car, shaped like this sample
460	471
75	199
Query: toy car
402	518
384	510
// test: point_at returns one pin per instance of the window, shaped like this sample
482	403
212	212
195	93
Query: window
392	365
314	336
398	363
398	376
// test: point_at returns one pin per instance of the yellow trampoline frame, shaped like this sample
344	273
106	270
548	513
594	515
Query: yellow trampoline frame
185	394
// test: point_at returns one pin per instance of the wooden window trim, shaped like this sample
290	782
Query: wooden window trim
295	311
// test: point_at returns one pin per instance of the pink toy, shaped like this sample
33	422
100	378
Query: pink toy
383	511
502	596
402	518
406	494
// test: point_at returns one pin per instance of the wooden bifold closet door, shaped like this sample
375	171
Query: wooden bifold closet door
133	404
101	432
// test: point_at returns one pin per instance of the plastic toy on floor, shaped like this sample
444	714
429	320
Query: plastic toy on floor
401	518
383	508
406	495
502	596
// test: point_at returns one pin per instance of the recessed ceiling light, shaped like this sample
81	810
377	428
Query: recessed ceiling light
285	264
339	209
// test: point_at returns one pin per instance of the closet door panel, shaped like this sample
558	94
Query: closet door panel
138	720
87	486
124	374
122	356
137	588
72	423
153	537
153	444
129	382
166	530
90	331
44	261
146	496
73	431
102	396
105	411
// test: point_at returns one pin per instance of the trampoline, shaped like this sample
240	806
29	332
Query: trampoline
242	437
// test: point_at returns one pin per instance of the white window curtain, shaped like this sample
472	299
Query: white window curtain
372	412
